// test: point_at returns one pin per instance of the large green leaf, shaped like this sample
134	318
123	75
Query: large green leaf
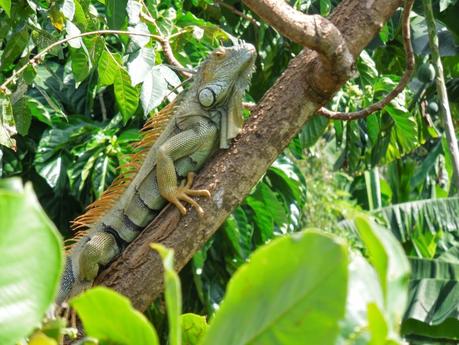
389	260
434	300
110	317
31	258
432	214
286	294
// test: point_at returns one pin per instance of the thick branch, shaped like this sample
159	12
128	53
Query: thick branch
230	176
401	84
311	31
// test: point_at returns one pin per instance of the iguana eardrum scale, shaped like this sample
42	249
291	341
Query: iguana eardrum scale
203	118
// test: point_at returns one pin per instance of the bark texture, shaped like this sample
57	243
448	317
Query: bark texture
231	174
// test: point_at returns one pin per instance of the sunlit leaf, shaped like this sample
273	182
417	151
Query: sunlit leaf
110	317
31	264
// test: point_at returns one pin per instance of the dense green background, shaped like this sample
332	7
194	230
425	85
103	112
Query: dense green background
70	120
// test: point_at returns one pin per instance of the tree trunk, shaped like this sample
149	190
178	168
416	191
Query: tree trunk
232	173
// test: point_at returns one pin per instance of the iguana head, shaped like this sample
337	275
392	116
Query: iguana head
223	78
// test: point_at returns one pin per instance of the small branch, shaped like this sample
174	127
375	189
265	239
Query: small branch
166	45
442	94
238	13
396	91
39	57
167	49
311	31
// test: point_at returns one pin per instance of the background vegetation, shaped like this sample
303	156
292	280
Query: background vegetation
69	120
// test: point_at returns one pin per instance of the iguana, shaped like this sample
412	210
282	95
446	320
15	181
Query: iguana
203	118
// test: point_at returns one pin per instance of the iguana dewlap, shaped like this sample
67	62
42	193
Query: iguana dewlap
204	118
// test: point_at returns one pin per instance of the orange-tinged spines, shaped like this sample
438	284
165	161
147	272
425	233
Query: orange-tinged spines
150	133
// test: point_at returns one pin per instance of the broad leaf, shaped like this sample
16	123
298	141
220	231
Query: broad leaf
154	89
431	214
32	255
127	96
110	317
389	260
286	294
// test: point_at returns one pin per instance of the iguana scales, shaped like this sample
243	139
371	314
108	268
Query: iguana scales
203	118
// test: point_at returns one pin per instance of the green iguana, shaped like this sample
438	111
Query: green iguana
202	119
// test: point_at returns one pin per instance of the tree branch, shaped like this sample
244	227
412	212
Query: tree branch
231	174
311	31
400	86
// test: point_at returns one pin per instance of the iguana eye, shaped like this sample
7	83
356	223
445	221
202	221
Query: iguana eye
207	97
220	52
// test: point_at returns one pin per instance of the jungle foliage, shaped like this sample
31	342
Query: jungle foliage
69	120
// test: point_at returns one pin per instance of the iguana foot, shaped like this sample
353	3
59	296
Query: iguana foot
184	193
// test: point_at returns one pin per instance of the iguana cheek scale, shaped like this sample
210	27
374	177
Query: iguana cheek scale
202	119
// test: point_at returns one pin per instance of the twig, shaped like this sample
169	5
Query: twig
238	13
37	58
399	88
167	49
166	45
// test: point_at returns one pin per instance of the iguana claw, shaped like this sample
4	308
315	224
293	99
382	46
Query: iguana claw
184	193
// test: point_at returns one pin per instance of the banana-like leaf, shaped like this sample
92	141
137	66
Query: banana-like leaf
430	214
433	310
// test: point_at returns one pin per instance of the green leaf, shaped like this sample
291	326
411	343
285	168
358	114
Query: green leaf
116	14
127	96
22	116
286	294
389	260
7	125
15	46
154	89
405	128
107	68
431	214
433	309
377	325
110	317
81	65
30	265
6	5
194	327
173	293
313	130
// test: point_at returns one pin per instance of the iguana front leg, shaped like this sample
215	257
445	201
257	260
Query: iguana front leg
176	147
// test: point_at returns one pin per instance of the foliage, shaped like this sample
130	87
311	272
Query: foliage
31	261
69	121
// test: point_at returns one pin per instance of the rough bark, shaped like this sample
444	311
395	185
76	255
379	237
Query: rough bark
231	174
